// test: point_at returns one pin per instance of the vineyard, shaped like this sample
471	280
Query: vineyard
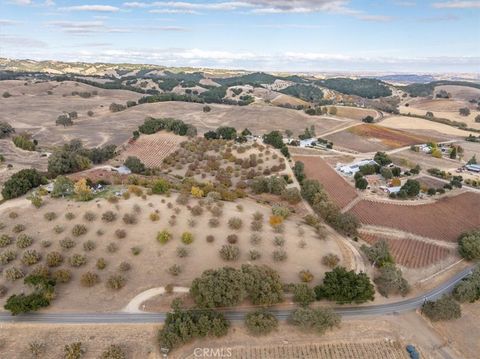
445	219
362	350
337	188
411	253
152	149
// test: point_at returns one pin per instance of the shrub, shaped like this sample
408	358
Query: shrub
216	211
113	352
124	267
229	252
255	239
89	279
390	281
5	240
187	238
254	255
174	270
46	243
232	238
79	230
213	222
210	238
235	223
330	260
280	211
7	256
318	320
445	308
101	263
120	233
197	210
67	243
164	236
469	245
109	216
256	226
112	247
303	294
69	216
24	241
260	322
305	276
129	218
89	216
257	216
18	228
279	241
77	260
154	217
275	220
279	255
54	259
13	215
89	245
182	252
12	274
58	229
73	351
62	275
50	216
116	282
3	292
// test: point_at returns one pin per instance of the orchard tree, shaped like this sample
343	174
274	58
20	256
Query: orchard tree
469	245
445	308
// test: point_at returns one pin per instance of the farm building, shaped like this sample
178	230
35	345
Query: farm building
123	170
391	190
353	168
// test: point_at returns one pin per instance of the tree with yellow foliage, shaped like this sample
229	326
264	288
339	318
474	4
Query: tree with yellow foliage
82	190
197	192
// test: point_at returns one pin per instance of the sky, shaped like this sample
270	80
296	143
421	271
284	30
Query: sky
410	36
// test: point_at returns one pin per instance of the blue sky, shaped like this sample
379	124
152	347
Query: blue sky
276	35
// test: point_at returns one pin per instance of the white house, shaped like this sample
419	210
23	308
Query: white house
310	142
353	168
123	170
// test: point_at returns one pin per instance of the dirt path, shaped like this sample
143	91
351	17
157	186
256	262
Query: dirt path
134	305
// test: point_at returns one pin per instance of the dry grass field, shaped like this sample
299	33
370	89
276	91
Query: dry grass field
120	241
446	108
424	126
462	334
382	338
151	149
283	99
336	186
32	109
410	158
444	220
460	92
355	113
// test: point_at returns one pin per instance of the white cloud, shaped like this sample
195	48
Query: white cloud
457	5
258	7
85	27
21	2
95	8
6	22
21	42
174	11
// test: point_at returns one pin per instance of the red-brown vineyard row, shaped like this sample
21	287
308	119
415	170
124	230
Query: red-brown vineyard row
445	219
412	253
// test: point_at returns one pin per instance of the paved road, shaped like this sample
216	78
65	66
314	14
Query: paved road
234	315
